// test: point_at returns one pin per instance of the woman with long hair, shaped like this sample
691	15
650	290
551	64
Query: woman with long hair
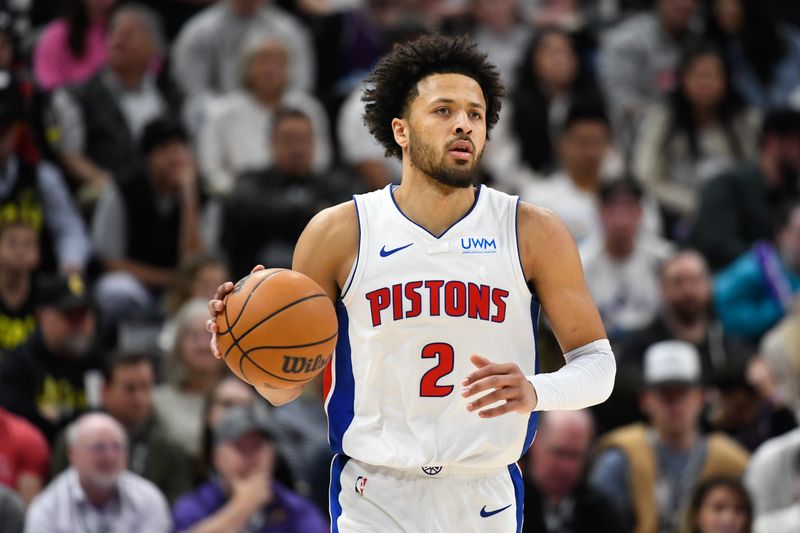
550	78
764	54
699	131
71	49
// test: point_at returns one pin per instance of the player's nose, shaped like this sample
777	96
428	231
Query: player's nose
462	123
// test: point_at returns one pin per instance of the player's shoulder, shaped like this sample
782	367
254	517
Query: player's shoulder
333	229
543	239
540	223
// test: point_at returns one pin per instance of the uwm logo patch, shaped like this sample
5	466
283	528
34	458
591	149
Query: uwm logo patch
478	245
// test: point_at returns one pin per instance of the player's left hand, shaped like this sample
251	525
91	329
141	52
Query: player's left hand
509	384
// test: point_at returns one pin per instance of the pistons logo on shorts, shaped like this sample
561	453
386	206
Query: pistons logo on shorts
431	470
361	482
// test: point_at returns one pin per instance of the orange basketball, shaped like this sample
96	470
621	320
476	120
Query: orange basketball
278	329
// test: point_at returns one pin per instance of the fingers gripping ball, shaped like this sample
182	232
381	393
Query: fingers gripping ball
278	329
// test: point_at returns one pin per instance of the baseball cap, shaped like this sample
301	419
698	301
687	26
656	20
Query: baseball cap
65	293
241	420
671	363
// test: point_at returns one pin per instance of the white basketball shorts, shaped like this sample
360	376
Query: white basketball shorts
371	499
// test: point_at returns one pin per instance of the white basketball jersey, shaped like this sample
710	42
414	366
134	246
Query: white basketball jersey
414	309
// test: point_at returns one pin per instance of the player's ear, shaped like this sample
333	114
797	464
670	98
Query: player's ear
400	130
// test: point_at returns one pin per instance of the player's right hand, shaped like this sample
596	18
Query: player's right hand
216	305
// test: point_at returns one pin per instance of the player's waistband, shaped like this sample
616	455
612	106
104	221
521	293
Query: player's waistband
433	471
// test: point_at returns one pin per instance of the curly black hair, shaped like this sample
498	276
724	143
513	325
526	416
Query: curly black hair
392	84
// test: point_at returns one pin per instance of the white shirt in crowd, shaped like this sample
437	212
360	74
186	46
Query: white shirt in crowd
138	507
627	292
237	136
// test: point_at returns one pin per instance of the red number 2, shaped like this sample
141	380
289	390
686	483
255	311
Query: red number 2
429	387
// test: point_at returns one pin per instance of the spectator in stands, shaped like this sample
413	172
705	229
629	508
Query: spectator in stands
12	511
54	375
268	208
128	396
557	498
737	207
773	478
144	228
24	456
621	265
573	191
96	493
190	376
764	53
245	495
738	409
100	122
651	472
754	292
35	193
685	313
229	391
703	129
236	133
19	258
639	59
550	79
205	50
720	505
71	49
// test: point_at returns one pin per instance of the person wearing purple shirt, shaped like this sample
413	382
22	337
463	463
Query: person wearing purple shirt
243	496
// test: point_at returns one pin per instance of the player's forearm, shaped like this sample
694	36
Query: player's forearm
587	379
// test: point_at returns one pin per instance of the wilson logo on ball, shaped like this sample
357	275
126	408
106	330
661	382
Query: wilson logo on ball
293	364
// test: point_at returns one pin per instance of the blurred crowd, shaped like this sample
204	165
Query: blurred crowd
151	150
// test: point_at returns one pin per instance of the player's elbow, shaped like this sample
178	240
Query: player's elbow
607	376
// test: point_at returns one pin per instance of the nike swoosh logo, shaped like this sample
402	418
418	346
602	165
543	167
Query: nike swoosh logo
387	253
487	514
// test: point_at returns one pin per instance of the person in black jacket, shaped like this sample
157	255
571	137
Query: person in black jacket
143	229
557	498
738	207
268	208
55	375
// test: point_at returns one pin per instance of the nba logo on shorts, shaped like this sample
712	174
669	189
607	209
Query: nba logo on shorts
361	482
431	470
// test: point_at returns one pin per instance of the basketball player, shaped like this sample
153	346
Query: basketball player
433	391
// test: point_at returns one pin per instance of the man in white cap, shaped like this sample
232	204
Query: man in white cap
650	471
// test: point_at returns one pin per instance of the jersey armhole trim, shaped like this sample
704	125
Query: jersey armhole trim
518	252
351	276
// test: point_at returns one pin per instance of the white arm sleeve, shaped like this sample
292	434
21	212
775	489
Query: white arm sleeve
587	379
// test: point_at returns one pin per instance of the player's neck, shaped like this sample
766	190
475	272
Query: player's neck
432	205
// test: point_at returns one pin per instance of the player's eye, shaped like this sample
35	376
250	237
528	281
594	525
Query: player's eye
443	111
475	115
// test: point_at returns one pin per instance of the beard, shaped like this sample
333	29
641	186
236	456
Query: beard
688	312
424	157
76	346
